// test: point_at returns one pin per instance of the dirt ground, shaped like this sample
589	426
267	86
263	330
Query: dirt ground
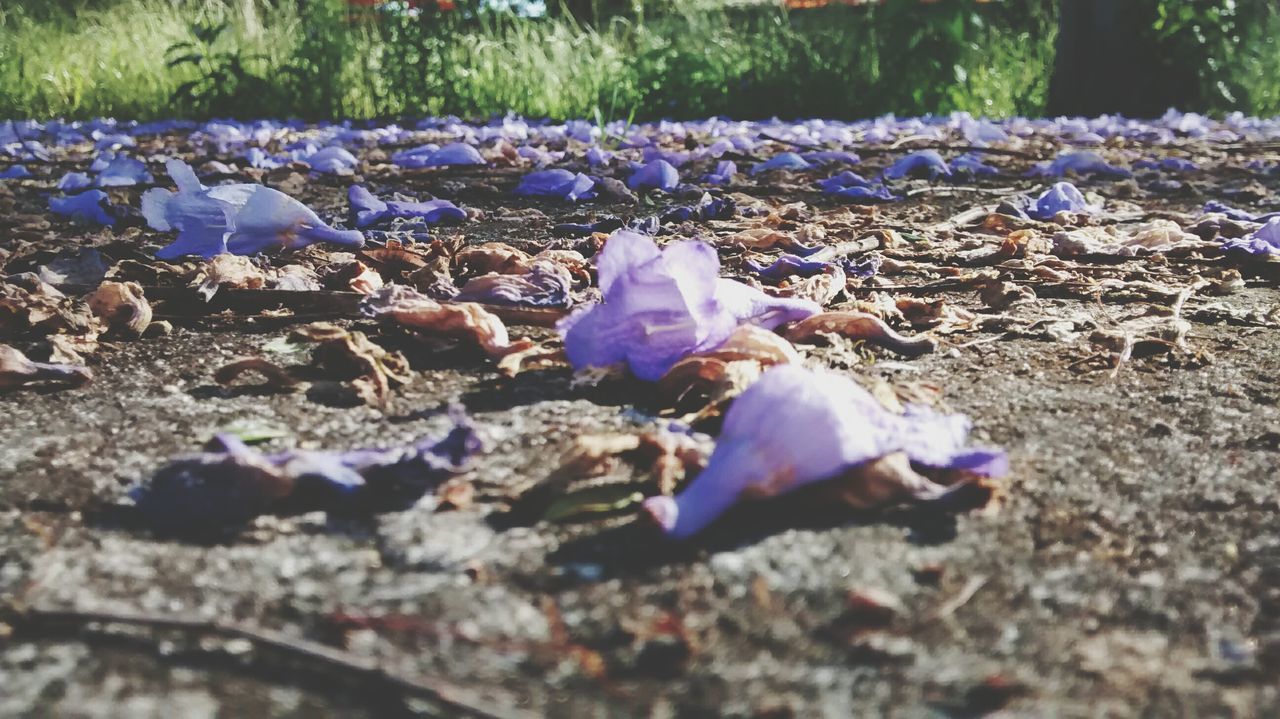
1131	568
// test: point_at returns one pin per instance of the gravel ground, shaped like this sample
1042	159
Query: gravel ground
1131	568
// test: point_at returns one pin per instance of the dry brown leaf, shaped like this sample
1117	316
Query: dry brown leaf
122	307
859	326
277	377
231	271
463	320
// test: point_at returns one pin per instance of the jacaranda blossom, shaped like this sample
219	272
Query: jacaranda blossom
15	172
724	172
242	219
232	483
1081	163
1062	197
333	160
558	183
75	181
123	171
782	161
662	305
457	153
1263	242
1232	213
796	426
853	187
92	207
369	210
925	163
786	266
656	175
970	164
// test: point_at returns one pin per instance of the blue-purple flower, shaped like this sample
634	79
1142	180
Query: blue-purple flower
121	171
233	483
851	186
92	207
1080	163
796	426
369	210
457	153
558	183
15	172
1062	197
656	175
333	160
924	163
73	181
782	161
724	172
242	219
972	165
662	305
1265	241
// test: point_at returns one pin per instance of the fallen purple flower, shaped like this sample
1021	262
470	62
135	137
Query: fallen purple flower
15	172
1231	213
662	305
786	266
971	165
1264	242
840	181
558	183
708	208
656	175
92	207
1080	163
925	163
456	153
724	172
369	210
831	157
782	161
233	483
242	219
333	160
794	427
123	171
1062	197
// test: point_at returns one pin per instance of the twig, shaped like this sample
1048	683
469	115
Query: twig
950	606
456	699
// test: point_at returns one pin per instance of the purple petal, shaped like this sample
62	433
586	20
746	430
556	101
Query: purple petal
91	207
925	163
656	175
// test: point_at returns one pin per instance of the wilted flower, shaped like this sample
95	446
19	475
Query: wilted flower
369	210
1264	241
91	207
782	161
970	164
786	266
334	160
123	171
233	483
457	153
1168	164
242	219
75	181
1081	163
708	208
656	175
661	305
15	172
1062	197
794	427
830	157
1231	213
725	170
925	163
559	183
851	186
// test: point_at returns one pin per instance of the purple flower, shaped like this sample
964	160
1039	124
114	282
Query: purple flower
333	160
558	183
786	266
1264	241
259	158
656	175
725	170
1080	163
1234	214
848	178
1062	197
232	483
597	157
794	427
369	210
972	165
456	153
243	219
782	161
123	171
74	181
853	187
16	172
92	207
831	157
925	163
662	305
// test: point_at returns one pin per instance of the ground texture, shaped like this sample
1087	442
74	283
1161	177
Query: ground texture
1131	565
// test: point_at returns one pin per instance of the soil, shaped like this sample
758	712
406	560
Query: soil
1130	568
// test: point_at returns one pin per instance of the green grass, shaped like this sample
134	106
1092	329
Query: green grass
746	63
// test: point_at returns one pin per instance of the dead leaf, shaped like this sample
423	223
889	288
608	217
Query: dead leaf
410	309
859	326
277	377
122	307
18	371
